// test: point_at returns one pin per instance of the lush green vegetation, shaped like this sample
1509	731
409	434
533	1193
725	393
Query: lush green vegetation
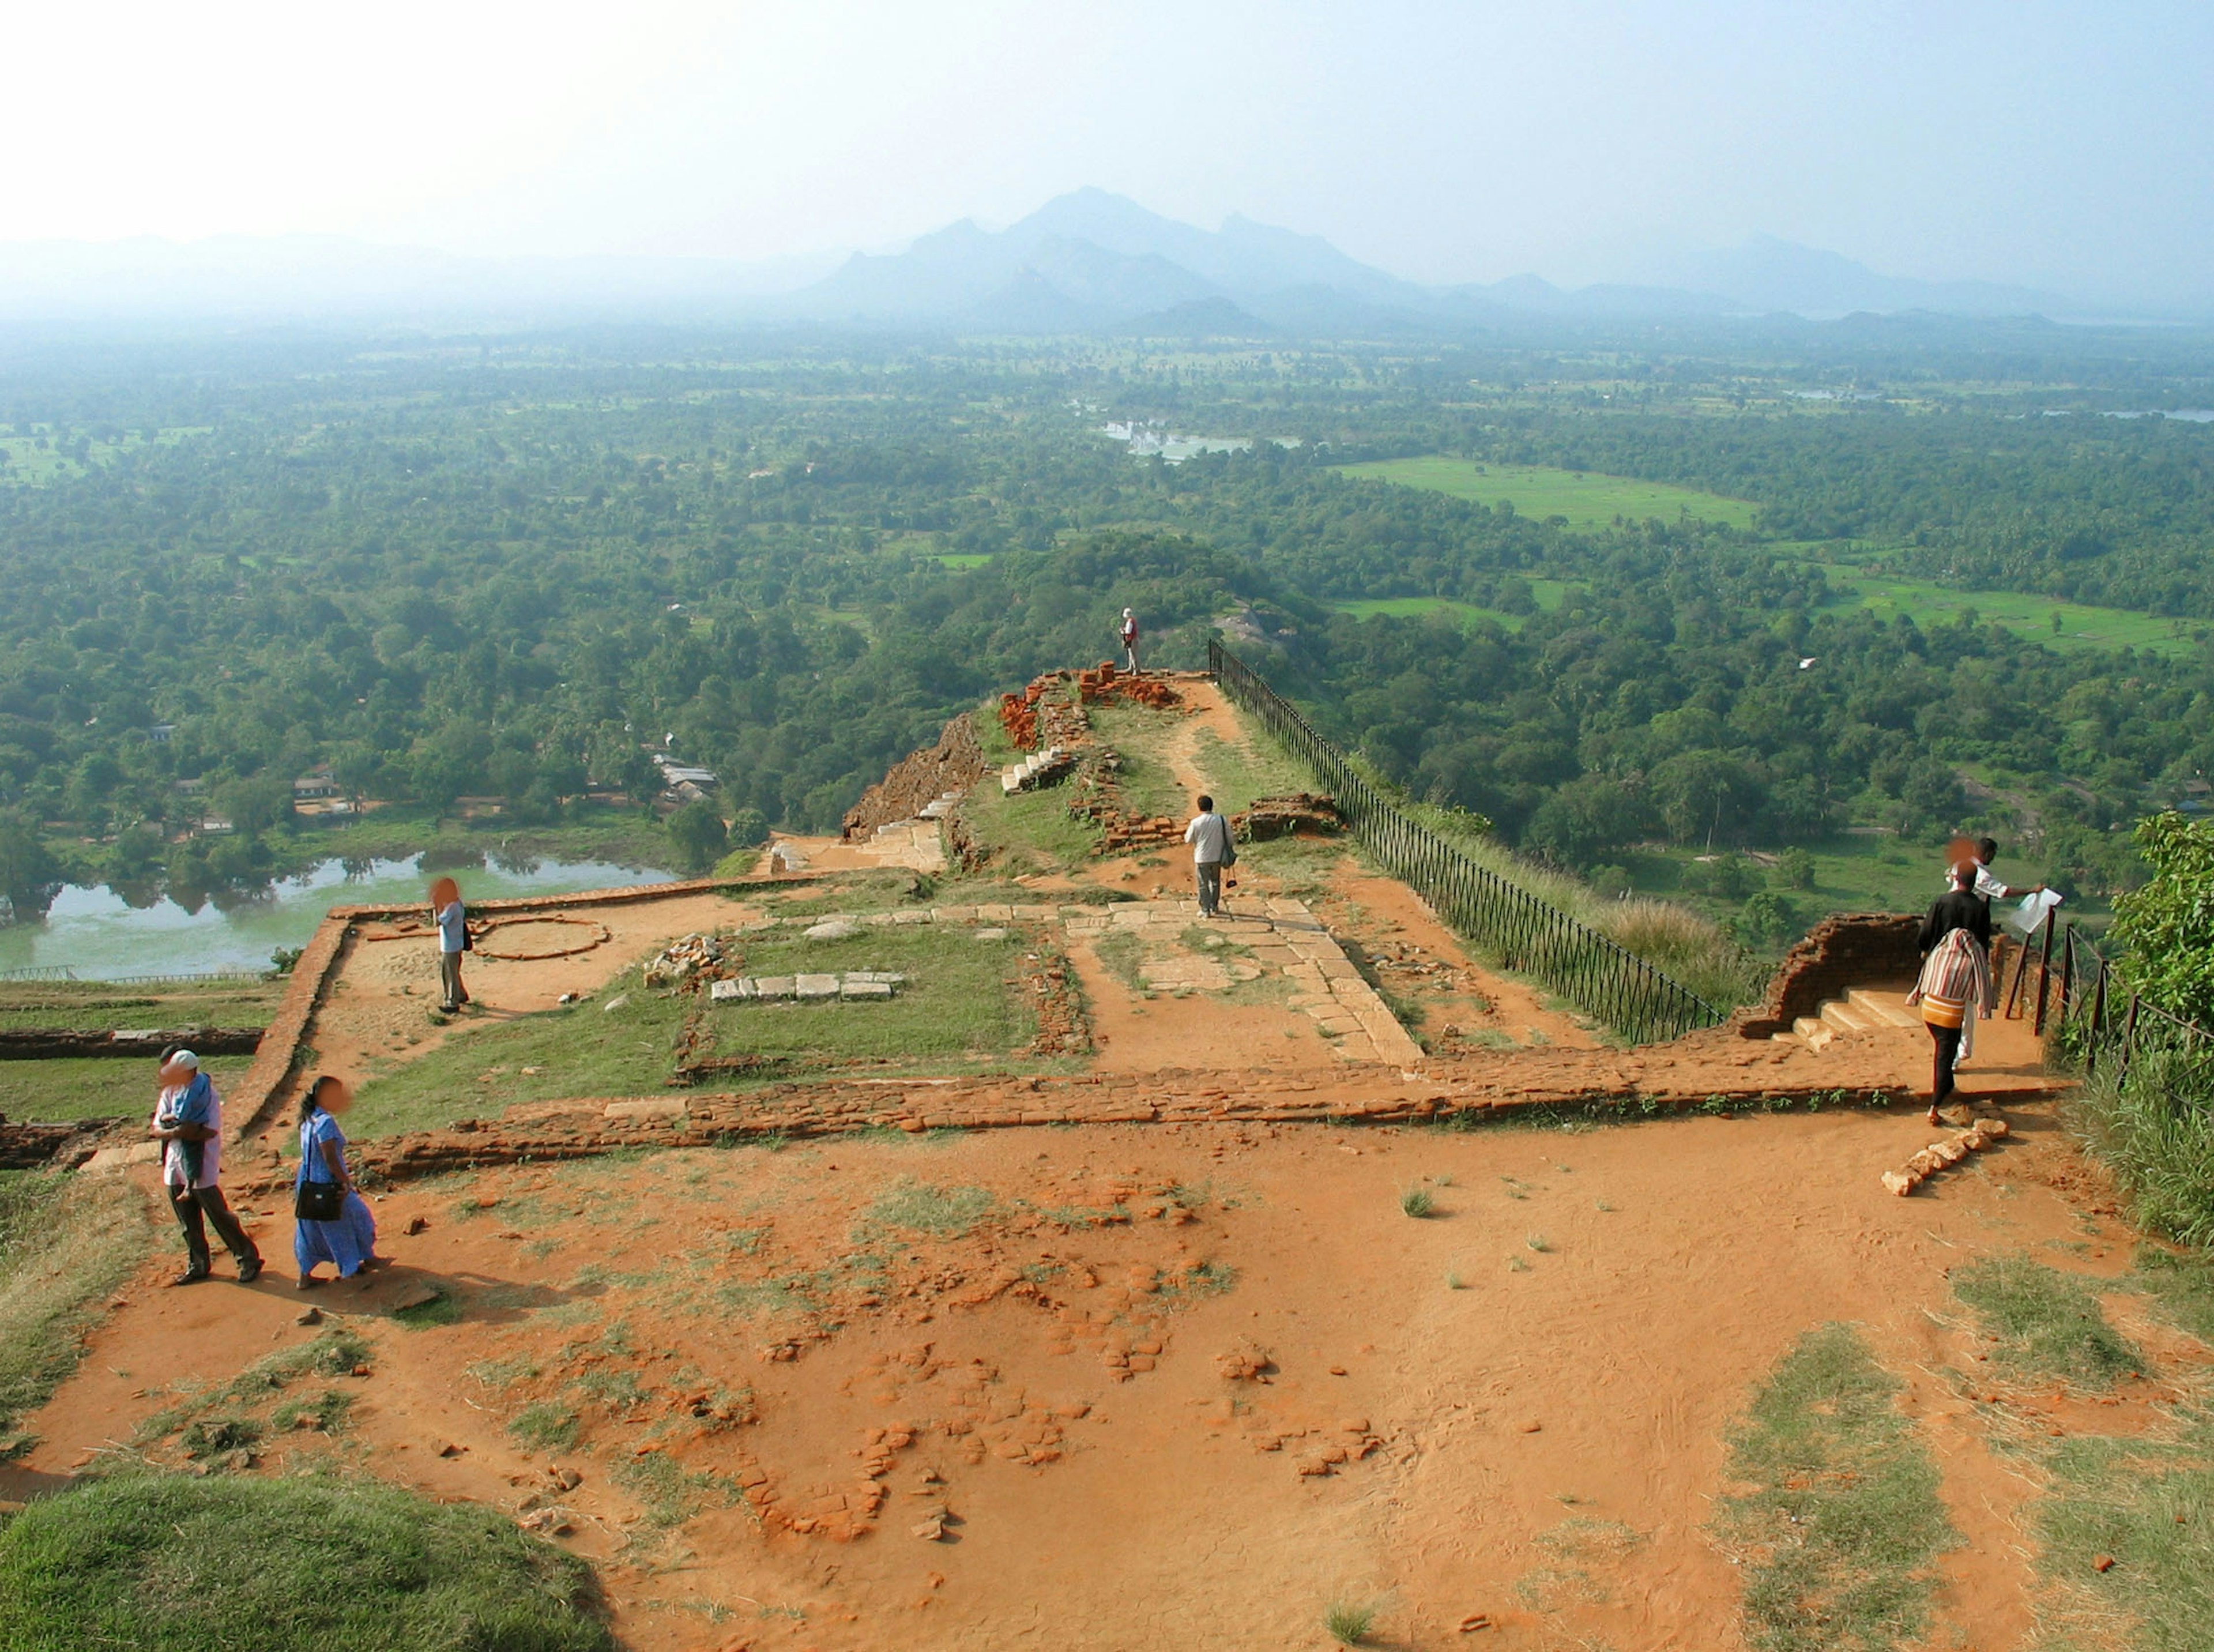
1840	1523
178	1563
509	572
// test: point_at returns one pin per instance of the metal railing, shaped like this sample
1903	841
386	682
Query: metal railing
174	977
1504	920
2083	1004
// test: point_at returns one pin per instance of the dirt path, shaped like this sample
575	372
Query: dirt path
1038	1318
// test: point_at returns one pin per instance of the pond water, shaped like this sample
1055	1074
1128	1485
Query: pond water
94	932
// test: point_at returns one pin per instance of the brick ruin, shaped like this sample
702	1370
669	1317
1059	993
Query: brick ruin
954	764
1847	950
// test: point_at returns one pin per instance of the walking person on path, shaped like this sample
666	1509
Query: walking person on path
1955	987
346	1238
1127	630
1208	834
188	1124
453	921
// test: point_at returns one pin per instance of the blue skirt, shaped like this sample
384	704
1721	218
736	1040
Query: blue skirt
346	1242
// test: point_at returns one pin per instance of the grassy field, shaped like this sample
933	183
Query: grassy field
1587	500
97	1087
180	1564
2029	616
93	1006
1548	594
954	1006
65	1243
956	1011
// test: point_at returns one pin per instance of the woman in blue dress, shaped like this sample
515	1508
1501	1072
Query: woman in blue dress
349	1242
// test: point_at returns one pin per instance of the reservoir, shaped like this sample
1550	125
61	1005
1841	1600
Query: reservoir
95	933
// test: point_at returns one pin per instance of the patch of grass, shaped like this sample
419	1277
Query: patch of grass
1196	1283
545	1427
2025	614
328	1412
441	1309
95	1005
668	1495
218	1436
913	1207
97	1087
1349	1623
1585	499
2182	1286
581	1049
2155	1129
1026	831
341	1566
1537	1242
956	1001
67	1241
1841	1524
1122	953
2048	1323
1417	1202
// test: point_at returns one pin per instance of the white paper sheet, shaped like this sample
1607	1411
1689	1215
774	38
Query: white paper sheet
2029	917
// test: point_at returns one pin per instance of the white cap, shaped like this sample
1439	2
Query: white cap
1126	613
186	1058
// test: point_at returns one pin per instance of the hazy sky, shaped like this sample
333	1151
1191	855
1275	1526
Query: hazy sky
2068	145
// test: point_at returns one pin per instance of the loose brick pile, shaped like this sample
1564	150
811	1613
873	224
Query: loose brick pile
1097	796
1286	817
1040	716
1105	680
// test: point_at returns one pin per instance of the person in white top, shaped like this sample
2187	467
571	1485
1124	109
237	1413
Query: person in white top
1208	834
188	1124
1986	887
1127	630
453	921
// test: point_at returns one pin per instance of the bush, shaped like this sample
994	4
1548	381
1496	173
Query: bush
1795	869
2154	1127
180	1563
699	835
2166	928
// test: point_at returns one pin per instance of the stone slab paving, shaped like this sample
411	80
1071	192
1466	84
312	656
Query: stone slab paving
1286	937
1282	936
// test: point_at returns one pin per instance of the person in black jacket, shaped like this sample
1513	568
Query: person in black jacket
1958	908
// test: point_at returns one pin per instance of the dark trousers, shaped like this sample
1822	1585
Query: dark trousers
449	978
1210	887
1948	1043
189	1203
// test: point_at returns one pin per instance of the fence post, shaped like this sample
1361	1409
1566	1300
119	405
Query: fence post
2044	974
2098	1021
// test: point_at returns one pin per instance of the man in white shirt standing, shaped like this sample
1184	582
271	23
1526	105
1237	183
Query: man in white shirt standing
1127	630
188	1124
1208	834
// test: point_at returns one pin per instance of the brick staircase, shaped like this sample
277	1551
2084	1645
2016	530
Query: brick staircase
1864	1013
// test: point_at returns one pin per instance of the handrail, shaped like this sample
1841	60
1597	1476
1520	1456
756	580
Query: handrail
2084	1002
1524	933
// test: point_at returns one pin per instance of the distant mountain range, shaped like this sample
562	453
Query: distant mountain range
1088	262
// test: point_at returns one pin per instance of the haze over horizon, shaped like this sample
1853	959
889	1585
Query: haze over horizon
2055	147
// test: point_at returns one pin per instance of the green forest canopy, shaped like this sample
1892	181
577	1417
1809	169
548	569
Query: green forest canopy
509	567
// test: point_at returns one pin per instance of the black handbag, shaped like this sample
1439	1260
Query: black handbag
319	1201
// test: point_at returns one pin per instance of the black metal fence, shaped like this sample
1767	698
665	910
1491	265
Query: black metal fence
1504	920
2078	1003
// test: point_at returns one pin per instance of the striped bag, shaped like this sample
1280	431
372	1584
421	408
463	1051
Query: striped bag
1956	977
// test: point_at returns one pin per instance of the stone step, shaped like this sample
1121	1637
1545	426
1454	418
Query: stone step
1843	1017
1816	1033
1888	1008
